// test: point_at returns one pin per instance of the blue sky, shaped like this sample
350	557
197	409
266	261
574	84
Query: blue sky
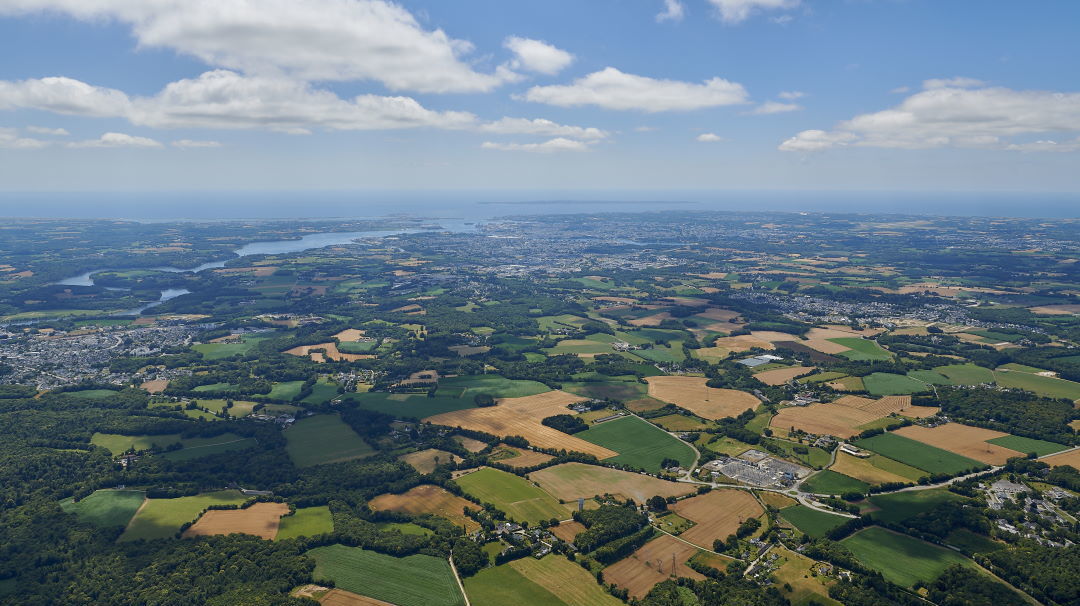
659	95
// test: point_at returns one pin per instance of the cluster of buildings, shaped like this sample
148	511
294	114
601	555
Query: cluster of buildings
758	468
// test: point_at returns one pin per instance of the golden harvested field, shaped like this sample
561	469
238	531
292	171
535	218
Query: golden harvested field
428	498
470	444
424	460
155	386
651	564
340	597
644	405
920	412
830	418
779	376
773	336
847	384
568	530
692	394
863	469
331	352
1071	457
716	514
776	499
261	520
350	335
524	457
565	579
963	440
521	417
719	314
1055	310
740	343
570	481
649	321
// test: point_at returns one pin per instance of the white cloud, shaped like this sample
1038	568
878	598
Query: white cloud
953	83
1046	146
775	107
737	11
41	130
709	138
791	95
540	126
316	40
190	144
673	11
645	129
117	140
966	116
537	56
63	96
558	144
899	90
613	89
10	139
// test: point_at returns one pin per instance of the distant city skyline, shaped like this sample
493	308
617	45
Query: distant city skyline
658	95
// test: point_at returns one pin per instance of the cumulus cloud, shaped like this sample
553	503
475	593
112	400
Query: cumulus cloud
673	11
540	126
63	96
42	130
190	144
952	83
613	89
10	139
791	95
709	138
537	56
776	107
737	11
558	144
117	140
316	40
961	114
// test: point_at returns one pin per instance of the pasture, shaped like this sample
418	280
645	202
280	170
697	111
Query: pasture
220	351
261	520
874	469
1051	387
964	440
516	496
408	405
811	521
716	514
323	439
795	572
966	374
162	518
888	384
502	585
571	481
1028	445
106	508
917	454
119	444
425	461
430	499
306	522
706	402
195	448
651	564
639	443
416	580
901	559
287	390
492	385
860	349
519	457
831	482
899	506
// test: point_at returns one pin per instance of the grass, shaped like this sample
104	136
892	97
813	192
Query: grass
287	390
416	580
639	443
615	390
196	448
162	518
931	377
572	583
493	385
106	508
805	588
93	394
899	506
323	439
323	391
831	482
822	377
412	406
811	521
504	585
405	528
516	496
861	349
759	422
900	558
917	454
679	422
971	543
214	387
306	522
1050	387
1026	445
672	523
896	467
117	443
966	374
888	384
220	351
659	353
816	457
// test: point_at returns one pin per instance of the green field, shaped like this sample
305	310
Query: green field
503	585
405	528
900	558
900	469
323	439
660	353
214	388
616	390
106	508
831	482
195	448
323	391
917	454
416	580
861	349
811	521
525	581
411	406
1050	387
969	542
899	506
931	377
240	408
888	384
816	457
1026	445
499	387
515	495
162	518
93	394
287	390
306	522
822	377
639	443
966	374
220	351
118	444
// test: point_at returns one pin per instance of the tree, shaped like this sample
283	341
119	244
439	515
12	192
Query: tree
484	400
658	503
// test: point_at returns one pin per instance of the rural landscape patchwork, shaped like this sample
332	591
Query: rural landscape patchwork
739	408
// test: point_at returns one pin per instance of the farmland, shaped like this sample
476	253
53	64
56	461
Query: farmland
106	508
195	448
519	457
966	374
779	376
806	588
651	564
639	443
900	558
1051	387
409	405
887	384
811	521
1027	445
706	402
306	522
552	580
517	497
875	469
964	440
428	498
425	461
117	444
571	481
716	514
831	482
261	520
323	439
416	580
162	518
492	385
917	454
898	506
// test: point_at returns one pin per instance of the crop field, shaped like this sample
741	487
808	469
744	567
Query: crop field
410	406
492	385
516	496
930	377
1066	458
917	454
428	498
571	481
261	520
815	457
860	349
521	417
162	518
340	597
323	391
117	443
519	457
794	572
811	521
716	514
775	499
822	377
639	443
831	482
1051	387
416	580
502	585
323	439
966	374
470	444
899	506
706	402
651	564
964	440
901	559
780	376
425	461
106	508
195	448
306	522
828	418
616	390
888	384
571	583
287	390
568	530
329	351
680	422
874	469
